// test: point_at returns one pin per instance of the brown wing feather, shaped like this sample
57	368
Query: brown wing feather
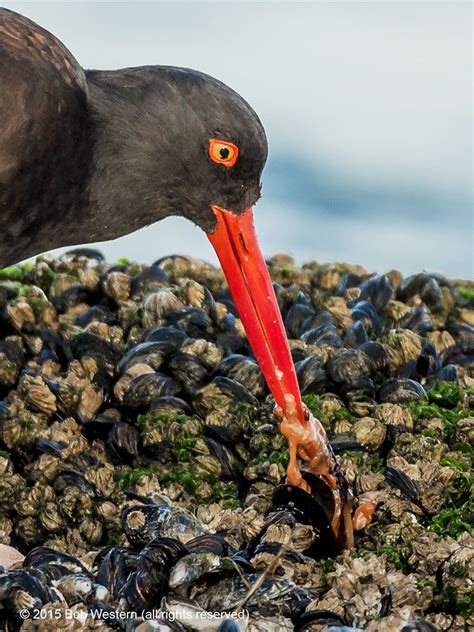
20	37
43	136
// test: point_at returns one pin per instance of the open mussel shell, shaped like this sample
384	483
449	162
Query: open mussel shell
315	509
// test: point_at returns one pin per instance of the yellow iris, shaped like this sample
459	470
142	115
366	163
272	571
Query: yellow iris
223	152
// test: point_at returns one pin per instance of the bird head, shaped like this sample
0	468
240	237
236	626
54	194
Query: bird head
219	147
195	148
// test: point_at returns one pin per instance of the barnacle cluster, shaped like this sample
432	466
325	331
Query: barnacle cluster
141	467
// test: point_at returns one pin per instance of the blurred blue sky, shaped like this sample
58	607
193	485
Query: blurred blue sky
367	107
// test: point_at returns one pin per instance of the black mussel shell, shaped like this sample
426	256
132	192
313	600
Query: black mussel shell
123	441
114	569
98	428
365	312
151	353
398	479
72	296
143	389
400	391
448	373
47	446
170	337
309	618
220	434
419	626
360	388
345	441
54	343
149	280
428	361
355	335
188	370
96	313
323	335
244	370
347	365
423	285
311	375
208	543
461	332
296	318
43	557
348	281
73	478
461	353
231	466
378	291
169	405
28	580
160	555
195	322
85	345
143	591
315	509
12	352
87	253
144	523
377	354
418	320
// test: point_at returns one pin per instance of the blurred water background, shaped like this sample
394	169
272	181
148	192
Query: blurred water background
367	107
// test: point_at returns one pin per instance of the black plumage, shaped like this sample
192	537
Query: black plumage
92	155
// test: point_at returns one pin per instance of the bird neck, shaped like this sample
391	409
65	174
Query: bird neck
123	185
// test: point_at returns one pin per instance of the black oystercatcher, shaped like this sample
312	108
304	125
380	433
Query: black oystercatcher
89	155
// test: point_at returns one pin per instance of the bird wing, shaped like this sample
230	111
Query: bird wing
43	120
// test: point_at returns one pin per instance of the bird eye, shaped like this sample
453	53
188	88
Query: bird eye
223	152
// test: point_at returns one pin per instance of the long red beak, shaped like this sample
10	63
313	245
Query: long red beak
236	245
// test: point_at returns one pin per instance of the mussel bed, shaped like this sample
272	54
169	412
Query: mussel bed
142	471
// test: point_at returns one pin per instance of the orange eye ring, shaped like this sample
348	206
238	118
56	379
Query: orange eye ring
223	152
